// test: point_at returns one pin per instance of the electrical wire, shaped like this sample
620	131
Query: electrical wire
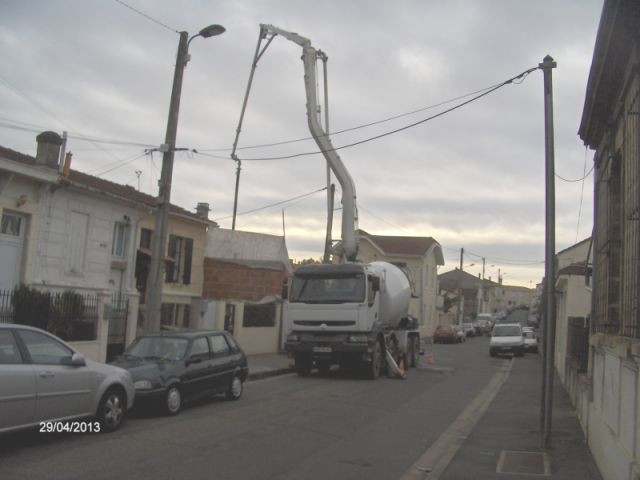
406	127
304	195
585	175
121	164
351	129
582	193
148	17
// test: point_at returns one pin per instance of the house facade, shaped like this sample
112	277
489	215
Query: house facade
610	125
244	274
421	256
63	230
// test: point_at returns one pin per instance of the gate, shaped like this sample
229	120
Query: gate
117	325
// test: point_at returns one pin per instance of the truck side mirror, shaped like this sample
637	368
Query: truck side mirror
285	291
375	284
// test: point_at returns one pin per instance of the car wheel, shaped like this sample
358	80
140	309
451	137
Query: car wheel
235	388
375	366
173	400
111	410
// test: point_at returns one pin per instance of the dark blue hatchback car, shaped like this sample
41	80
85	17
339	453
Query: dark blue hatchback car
171	368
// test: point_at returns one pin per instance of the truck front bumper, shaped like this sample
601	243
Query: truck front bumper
334	346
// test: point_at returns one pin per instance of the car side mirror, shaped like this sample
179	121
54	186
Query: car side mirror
194	359
78	360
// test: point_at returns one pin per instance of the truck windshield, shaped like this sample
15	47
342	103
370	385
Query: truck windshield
344	289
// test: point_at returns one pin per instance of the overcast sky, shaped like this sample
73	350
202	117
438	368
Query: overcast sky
472	178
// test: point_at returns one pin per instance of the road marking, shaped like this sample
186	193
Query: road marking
434	461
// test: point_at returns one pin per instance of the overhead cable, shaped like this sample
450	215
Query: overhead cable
406	127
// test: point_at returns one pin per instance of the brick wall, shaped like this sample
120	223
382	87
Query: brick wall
230	281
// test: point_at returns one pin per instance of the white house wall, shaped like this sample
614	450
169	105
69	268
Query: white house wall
51	250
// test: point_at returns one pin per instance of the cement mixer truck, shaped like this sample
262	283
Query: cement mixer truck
351	314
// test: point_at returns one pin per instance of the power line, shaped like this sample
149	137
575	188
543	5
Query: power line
582	192
406	127
585	175
148	17
304	195
357	127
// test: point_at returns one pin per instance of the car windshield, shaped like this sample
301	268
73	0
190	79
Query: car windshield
343	289
507	331
529	335
158	348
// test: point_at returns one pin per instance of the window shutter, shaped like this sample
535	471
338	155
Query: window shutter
188	255
171	265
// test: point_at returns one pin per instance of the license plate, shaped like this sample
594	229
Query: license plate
322	349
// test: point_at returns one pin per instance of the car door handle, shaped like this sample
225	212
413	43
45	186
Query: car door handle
47	374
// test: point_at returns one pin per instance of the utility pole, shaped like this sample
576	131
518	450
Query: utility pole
155	280
460	297
549	269
483	262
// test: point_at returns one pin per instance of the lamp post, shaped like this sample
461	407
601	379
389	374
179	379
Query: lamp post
155	280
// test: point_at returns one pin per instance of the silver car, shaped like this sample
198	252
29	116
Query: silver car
45	382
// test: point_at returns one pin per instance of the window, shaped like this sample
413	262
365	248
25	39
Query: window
145	238
200	348
44	349
259	315
9	352
120	237
11	224
175	315
219	345
180	254
79	225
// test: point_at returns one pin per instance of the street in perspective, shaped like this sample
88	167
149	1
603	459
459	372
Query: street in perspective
443	303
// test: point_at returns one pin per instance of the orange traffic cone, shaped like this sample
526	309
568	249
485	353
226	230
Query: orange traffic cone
430	359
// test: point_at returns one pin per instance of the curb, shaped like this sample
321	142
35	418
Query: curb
269	373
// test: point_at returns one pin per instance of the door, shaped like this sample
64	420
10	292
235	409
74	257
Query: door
18	385
229	317
198	375
223	361
12	235
63	390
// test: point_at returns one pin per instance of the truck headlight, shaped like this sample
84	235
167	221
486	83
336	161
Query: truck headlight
358	339
142	385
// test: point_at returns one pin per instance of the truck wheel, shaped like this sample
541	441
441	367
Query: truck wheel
302	365
376	362
414	352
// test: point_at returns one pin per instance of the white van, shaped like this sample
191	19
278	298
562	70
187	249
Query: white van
506	338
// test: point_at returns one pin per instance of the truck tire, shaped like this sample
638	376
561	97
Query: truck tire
414	352
374	367
303	365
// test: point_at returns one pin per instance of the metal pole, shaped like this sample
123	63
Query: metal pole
155	280
330	192
460	297
550	274
235	197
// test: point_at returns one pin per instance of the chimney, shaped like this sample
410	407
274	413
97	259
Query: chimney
48	152
202	210
67	164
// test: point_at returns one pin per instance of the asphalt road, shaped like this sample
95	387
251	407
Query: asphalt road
288	427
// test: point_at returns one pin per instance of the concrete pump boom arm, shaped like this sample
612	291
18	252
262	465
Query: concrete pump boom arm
349	207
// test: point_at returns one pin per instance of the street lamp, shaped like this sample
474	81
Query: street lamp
153	297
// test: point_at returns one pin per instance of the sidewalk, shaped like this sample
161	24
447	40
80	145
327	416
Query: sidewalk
511	426
268	365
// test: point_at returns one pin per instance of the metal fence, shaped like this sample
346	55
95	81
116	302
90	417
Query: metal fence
69	315
578	342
